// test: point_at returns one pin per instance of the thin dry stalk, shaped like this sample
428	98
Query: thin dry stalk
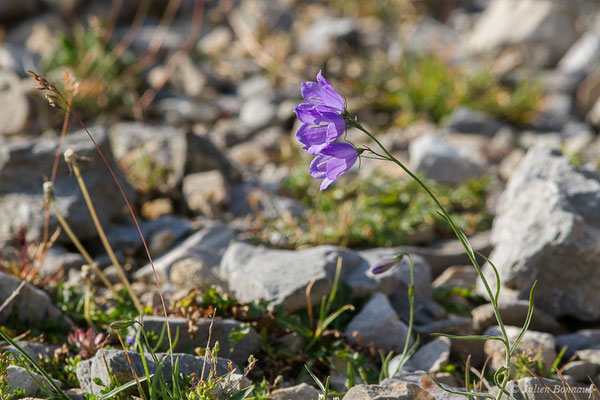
124	196
49	200
71	159
12	296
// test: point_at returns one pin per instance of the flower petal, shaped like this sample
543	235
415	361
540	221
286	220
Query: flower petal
329	96
325	184
308	114
311	135
343	156
318	167
312	92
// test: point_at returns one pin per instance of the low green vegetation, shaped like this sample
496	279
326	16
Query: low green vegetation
426	87
375	212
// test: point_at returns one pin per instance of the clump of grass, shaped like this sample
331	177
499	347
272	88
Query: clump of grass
375	212
90	56
427	87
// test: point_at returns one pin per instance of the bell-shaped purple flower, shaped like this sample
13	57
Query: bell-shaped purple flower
333	160
322	122
322	92
322	126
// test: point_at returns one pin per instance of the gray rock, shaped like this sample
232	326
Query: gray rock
462	276
434	157
325	33
584	55
35	349
546	229
426	311
298	392
430	358
30	305
19	378
182	110
378	324
554	111
466	120
445	253
18	59
59	258
391	391
23	165
257	113
496	29
533	342
207	245
13	103
238	351
159	233
579	340
206	193
176	151
532	389
581	370
363	282
193	273
229	132
514	313
281	276
118	365
452	326
590	355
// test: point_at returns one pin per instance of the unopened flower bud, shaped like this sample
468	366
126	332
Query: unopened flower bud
384	265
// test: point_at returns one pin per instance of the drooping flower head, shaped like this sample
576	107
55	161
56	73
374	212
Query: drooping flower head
333	161
322	122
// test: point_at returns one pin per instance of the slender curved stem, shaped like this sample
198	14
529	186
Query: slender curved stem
461	237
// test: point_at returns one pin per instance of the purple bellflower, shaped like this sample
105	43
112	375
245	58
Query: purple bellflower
333	161
323	124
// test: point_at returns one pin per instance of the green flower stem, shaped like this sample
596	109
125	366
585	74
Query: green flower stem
461	237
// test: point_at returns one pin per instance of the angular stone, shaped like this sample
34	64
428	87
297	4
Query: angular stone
25	162
547	229
496	30
207	245
281	276
363	282
579	340
378	324
325	33
206	193
514	313
298	392
435	158
532	389
14	105
581	370
118	365
430	358
533	342
19	378
175	151
193	273
238	351
466	120
31	304
392	391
